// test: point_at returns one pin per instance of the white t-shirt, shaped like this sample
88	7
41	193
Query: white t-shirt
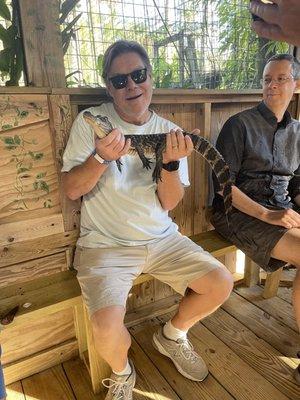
123	207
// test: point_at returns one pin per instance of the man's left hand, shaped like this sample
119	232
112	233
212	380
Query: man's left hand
178	146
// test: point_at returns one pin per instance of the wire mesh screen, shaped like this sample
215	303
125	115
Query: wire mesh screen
191	43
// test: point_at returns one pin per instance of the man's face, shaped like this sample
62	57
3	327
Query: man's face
131	102
278	84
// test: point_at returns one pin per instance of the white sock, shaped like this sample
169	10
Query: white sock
173	333
126	371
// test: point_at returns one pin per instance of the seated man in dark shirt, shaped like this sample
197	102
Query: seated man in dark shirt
262	148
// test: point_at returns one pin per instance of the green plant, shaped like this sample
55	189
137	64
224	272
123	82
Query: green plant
68	33
11	56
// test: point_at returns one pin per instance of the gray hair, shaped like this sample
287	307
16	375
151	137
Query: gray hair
123	47
293	61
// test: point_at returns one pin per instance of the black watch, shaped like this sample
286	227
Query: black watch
171	166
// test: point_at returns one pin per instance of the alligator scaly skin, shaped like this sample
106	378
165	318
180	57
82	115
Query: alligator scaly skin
154	145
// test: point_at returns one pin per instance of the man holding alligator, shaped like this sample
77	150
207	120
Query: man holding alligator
125	227
262	148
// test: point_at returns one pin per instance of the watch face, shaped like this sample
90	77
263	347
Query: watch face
171	166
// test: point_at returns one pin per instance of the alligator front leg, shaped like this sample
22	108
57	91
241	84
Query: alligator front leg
146	161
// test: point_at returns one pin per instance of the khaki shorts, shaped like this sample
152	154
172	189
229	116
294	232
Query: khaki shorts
106	275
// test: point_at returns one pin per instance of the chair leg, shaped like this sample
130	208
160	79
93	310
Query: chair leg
251	274
97	367
272	284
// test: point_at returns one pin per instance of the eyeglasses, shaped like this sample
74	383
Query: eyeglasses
280	81
120	81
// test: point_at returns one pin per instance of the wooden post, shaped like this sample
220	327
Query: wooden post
80	329
44	58
61	122
97	367
272	283
251	272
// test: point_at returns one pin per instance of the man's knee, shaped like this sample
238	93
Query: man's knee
222	285
106	322
287	248
218	284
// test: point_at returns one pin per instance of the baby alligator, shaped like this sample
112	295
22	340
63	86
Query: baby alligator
154	144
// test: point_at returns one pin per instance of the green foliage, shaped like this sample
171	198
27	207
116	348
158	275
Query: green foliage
68	32
4	11
164	73
99	64
11	57
246	54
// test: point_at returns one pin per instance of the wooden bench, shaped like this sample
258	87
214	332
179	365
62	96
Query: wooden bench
47	295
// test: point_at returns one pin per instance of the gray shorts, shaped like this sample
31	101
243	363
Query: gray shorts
254	237
106	275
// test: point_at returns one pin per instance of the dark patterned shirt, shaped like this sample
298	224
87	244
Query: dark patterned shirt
263	155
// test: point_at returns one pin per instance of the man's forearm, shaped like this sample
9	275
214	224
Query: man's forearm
83	178
169	190
248	206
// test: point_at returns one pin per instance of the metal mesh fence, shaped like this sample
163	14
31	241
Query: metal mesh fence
191	43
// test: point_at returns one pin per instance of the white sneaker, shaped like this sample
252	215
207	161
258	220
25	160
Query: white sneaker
120	386
182	353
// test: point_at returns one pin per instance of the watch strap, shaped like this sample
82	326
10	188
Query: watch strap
99	158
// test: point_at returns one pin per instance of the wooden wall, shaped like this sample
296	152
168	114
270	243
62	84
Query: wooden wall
39	225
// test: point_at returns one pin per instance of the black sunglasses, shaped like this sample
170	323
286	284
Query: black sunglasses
120	81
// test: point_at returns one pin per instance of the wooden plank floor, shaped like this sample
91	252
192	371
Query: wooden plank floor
250	346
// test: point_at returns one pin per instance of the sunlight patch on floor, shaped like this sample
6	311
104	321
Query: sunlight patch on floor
290	361
13	394
149	395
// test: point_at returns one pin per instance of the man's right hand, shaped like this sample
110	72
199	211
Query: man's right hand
287	218
279	21
112	146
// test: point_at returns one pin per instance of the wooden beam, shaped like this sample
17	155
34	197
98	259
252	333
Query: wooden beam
61	123
36	248
41	296
44	58
24	90
40	361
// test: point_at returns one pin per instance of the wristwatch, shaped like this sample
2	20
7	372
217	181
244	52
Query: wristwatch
171	166
99	158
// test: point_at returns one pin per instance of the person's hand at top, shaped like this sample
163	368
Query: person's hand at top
278	21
